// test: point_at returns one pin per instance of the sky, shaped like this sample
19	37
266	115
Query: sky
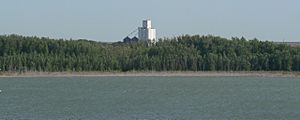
112	20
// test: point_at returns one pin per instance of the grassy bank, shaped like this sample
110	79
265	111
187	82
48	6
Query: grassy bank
154	73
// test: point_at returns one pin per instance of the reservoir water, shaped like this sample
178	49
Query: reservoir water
149	98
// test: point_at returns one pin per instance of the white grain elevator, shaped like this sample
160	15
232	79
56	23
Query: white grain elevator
146	32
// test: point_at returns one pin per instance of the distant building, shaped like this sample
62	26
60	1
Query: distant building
146	32
134	39
127	40
130	40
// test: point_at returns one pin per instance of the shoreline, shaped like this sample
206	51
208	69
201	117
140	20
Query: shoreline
156	74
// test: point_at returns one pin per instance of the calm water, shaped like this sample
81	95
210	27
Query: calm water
149	98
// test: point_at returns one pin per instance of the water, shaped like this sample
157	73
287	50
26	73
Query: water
149	98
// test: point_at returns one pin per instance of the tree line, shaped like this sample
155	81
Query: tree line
183	53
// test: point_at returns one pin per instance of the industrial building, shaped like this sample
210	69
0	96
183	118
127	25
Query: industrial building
145	33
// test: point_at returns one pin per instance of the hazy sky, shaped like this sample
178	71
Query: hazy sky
112	20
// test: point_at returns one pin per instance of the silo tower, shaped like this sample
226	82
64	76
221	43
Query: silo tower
146	32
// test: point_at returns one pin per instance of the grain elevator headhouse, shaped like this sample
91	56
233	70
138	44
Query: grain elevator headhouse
146	32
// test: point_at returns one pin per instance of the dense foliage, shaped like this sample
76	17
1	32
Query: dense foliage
184	53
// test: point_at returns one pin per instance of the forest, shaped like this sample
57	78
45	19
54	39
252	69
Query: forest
182	53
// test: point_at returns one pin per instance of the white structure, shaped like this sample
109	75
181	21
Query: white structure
147	32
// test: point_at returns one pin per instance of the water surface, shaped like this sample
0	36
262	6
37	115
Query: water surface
149	98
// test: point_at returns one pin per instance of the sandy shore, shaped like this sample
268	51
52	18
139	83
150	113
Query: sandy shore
170	74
